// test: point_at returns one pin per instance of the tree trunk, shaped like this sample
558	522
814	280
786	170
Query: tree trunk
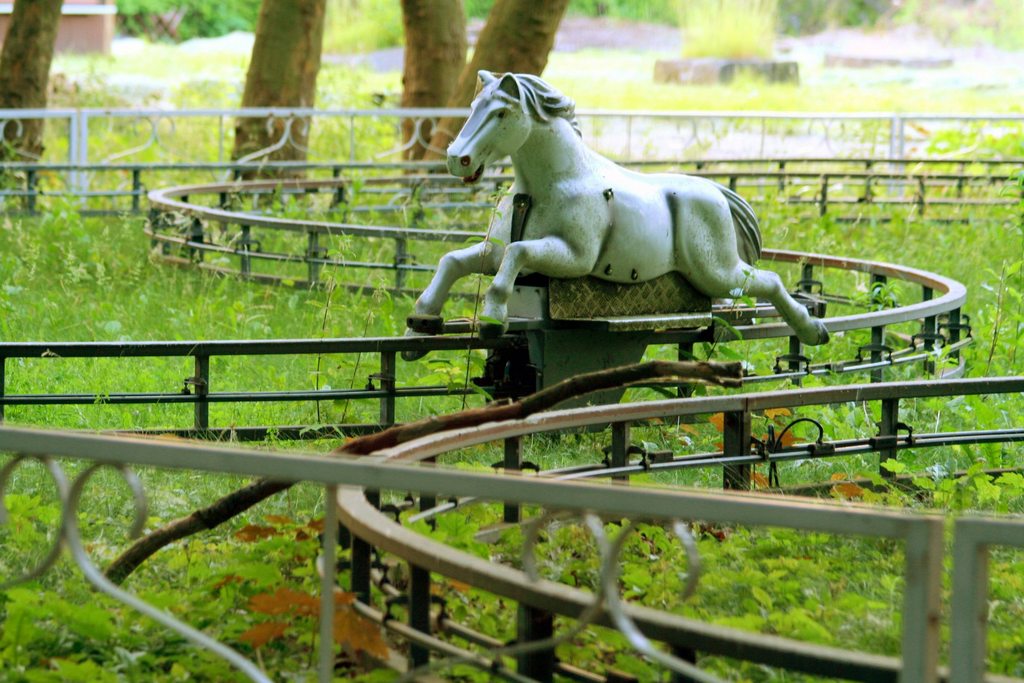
24	72
435	54
282	73
517	37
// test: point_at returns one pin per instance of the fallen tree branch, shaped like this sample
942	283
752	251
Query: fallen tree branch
237	502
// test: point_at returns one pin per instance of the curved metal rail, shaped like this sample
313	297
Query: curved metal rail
371	527
943	330
180	225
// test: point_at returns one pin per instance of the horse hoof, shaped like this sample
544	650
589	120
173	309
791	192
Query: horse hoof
821	335
491	330
425	324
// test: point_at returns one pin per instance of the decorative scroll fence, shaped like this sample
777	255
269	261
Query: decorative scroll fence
205	135
352	486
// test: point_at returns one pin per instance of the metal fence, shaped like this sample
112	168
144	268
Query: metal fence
941	333
87	136
353	484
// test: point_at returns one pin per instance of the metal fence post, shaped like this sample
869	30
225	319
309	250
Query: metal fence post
136	189
419	612
887	432
921	610
74	154
684	352
929	327
401	258
513	460
83	150
327	580
896	137
878	332
796	352
3	385
201	384
969	606
953	326
388	367
736	442
30	191
687	655
362	558
534	624
244	246
619	456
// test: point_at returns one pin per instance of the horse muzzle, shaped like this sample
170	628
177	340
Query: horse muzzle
465	167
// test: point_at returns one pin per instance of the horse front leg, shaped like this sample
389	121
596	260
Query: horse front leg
549	256
478	258
483	257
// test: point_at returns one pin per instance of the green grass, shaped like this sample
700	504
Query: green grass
63	277
70	278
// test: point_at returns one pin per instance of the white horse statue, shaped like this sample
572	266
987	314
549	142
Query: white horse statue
591	217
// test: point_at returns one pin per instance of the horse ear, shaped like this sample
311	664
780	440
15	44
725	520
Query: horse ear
509	85
485	77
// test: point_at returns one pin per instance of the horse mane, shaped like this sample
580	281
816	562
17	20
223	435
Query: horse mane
544	102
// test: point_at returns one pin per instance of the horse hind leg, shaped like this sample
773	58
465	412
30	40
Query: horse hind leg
765	284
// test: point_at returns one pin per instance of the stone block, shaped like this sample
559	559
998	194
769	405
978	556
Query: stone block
713	71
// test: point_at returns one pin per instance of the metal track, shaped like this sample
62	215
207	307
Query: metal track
941	329
370	525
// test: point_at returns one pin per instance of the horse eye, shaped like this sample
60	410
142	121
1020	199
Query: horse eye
501	114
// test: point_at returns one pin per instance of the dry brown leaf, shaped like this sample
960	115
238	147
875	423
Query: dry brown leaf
261	634
362	635
284	601
718	419
760	481
254	532
344	597
787	439
772	413
848	490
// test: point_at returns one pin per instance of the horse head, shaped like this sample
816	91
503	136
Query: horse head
497	126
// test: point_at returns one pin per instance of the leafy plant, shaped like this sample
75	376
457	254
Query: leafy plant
199	18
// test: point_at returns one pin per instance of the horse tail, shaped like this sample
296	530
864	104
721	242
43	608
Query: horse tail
748	234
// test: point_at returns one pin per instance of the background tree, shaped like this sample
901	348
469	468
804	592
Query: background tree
25	71
282	73
435	54
518	36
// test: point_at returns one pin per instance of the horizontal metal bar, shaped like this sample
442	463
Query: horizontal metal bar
225	397
373	474
255	347
886	117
